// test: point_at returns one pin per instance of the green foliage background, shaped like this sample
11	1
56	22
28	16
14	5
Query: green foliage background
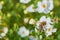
13	14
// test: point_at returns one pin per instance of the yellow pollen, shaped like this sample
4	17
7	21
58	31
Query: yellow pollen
49	29
44	5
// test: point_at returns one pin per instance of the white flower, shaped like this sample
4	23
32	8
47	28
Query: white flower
30	8
45	6
23	32
32	21
0	6
3	32
49	30
33	38
2	35
25	1
26	20
44	21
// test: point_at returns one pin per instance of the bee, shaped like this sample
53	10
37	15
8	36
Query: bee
41	26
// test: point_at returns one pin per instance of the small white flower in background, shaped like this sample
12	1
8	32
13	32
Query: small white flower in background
3	32
23	32
25	1
49	30
26	20
30	8
45	6
54	30
33	38
0	6
2	35
32	21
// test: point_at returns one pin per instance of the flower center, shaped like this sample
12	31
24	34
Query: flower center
56	20
49	29
23	32
44	5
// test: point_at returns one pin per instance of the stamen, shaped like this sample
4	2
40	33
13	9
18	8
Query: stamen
49	29
44	5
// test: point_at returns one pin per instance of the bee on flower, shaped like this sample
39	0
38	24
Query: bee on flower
43	22
46	24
